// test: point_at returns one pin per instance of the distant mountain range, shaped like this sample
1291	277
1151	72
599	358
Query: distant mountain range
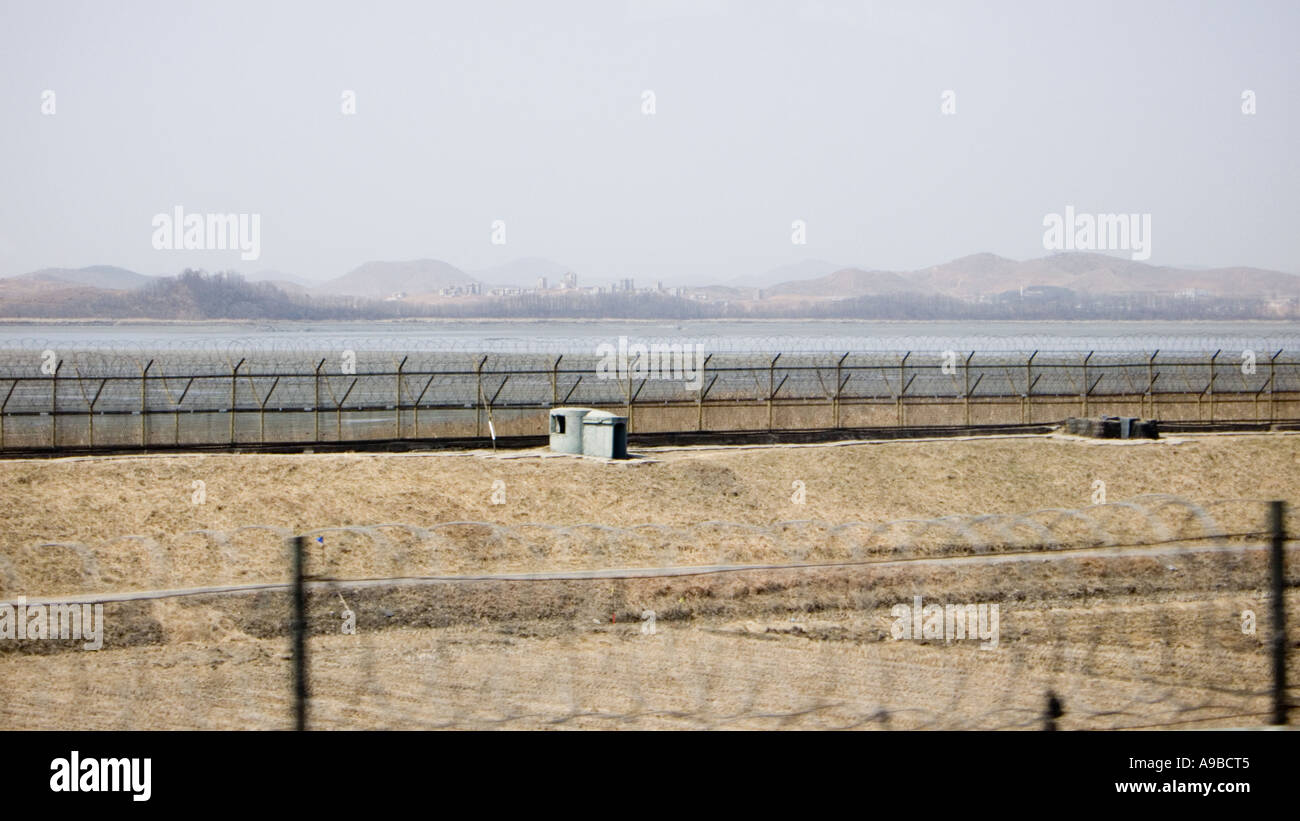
988	274
975	278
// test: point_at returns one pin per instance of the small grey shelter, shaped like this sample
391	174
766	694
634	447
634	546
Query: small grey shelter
604	434
566	429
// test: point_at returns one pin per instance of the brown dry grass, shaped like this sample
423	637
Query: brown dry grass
97	502
1127	639
755	651
90	500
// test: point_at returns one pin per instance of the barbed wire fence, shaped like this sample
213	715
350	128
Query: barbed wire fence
1152	612
287	394
299	342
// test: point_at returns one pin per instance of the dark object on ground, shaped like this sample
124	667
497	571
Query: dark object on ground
1114	427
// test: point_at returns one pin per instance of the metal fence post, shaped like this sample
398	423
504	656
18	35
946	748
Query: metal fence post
1277	534
1054	711
1084	399
234	377
902	388
478	408
298	629
315	408
839	386
144	404
54	405
1151	385
966	388
699	396
771	394
1029	388
1210	387
627	394
555	381
398	401
1272	372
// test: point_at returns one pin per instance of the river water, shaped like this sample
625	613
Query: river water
717	336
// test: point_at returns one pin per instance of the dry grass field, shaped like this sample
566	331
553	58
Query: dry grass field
1129	638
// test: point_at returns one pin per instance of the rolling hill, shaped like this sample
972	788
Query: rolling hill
108	277
379	279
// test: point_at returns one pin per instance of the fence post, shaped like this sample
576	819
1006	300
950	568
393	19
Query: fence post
261	408
555	382
1272	372
398	403
699	396
966	378
839	366
1277	534
54	405
627	394
1029	388
338	410
902	373
1151	383
298	630
478	409
176	413
1054	711
315	408
1086	391
234	376
771	394
144	404
1210	387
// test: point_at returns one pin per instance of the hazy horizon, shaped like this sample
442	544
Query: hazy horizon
588	278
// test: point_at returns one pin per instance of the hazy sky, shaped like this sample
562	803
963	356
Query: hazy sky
531	113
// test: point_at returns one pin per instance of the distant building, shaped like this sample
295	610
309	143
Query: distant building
541	283
570	280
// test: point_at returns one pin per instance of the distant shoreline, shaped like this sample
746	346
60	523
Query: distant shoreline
471	321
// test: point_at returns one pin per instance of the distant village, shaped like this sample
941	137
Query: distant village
568	284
